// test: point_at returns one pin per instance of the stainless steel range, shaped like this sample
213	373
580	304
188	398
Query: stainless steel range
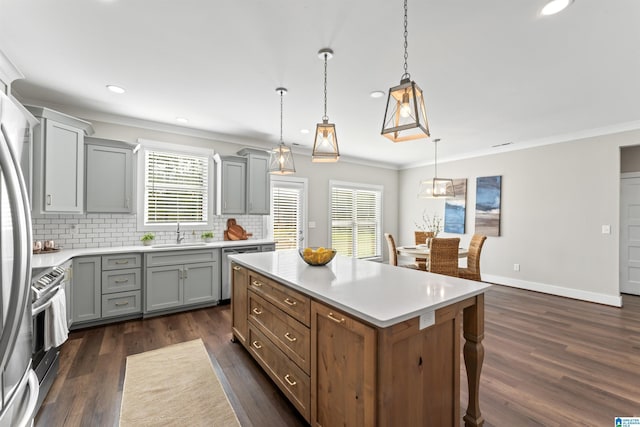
46	288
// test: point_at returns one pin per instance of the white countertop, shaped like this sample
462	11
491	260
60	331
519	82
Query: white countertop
45	260
380	294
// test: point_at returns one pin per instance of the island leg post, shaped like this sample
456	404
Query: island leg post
473	328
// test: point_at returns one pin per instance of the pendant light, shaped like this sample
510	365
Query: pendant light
281	157
405	118
437	187
325	146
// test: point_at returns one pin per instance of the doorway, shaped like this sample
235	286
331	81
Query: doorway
630	233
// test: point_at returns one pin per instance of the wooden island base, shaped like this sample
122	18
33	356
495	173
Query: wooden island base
340	370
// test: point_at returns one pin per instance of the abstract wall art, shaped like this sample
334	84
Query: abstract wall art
455	209
488	192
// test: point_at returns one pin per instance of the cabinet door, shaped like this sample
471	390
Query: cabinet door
239	302
86	289
201	282
164	287
343	369
64	168
258	185
233	187
109	179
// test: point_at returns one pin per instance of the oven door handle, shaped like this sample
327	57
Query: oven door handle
47	304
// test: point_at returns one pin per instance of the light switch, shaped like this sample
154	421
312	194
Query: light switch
606	229
312	224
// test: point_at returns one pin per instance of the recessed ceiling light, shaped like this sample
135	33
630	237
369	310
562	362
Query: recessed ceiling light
376	94
555	6
305	131
115	89
182	120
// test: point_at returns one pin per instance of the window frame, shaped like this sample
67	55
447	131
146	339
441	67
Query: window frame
364	187
149	145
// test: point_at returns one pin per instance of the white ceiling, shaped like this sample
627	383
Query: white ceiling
492	71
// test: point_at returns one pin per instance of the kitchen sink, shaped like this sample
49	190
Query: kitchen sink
179	245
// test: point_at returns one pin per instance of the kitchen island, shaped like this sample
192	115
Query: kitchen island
358	342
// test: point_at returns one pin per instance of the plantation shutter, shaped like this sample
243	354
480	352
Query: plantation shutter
287	218
176	188
356	220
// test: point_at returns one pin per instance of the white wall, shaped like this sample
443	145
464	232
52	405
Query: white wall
555	199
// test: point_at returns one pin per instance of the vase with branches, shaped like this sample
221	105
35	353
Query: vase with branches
432	223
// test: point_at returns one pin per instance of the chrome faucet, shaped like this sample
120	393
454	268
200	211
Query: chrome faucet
179	236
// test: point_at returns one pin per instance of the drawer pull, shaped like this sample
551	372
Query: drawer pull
289	302
257	311
257	345
256	283
120	304
290	338
236	268
290	382
122	262
335	319
121	280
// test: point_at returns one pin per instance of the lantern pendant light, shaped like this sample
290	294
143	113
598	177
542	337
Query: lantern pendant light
325	146
405	117
437	187
281	157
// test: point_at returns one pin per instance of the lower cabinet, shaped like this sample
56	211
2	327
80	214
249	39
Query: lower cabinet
239	303
180	278
86	289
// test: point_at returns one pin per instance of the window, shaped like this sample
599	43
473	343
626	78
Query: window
356	218
176	188
288	207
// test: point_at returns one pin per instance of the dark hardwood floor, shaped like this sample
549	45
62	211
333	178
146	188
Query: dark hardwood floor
549	361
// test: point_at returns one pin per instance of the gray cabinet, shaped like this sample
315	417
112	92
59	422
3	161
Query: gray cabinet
86	289
258	201
234	181
175	279
108	176
58	162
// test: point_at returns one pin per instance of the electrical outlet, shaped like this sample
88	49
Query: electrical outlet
74	229
516	267
606	229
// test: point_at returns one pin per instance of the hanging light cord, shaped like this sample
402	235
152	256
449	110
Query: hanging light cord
325	117
281	95
435	142
406	44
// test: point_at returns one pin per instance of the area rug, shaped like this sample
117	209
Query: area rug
174	386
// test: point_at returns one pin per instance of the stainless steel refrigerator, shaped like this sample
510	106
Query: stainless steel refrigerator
18	381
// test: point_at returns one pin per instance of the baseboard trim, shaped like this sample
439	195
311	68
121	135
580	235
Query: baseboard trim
612	300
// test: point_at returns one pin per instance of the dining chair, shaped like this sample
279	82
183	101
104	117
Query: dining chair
421	239
393	253
472	271
443	256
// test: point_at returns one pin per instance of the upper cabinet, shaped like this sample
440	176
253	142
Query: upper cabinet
58	162
108	176
245	183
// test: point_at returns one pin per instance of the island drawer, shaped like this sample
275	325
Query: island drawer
289	335
293	382
291	302
120	280
117	261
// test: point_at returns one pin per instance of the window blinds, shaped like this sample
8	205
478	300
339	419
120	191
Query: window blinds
287	218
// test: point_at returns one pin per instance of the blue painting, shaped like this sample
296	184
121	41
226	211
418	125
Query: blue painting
455	209
488	191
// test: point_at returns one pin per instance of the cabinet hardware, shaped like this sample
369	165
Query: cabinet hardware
121	280
120	304
186	273
179	274
290	382
126	203
122	261
335	319
256	283
236	268
290	338
289	302
257	345
49	199
257	311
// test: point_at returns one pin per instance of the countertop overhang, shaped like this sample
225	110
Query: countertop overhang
46	260
380	294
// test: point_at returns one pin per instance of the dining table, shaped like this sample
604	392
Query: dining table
423	251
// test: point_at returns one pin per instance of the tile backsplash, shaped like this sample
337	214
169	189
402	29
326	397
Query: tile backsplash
100	230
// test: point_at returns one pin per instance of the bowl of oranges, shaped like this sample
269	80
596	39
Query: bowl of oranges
317	256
